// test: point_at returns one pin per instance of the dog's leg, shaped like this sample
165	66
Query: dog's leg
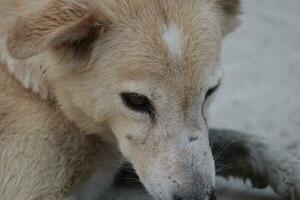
250	157
107	162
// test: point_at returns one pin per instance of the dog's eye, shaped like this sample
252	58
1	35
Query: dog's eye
211	91
137	102
209	94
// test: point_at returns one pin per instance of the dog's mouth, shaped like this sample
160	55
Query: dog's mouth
128	178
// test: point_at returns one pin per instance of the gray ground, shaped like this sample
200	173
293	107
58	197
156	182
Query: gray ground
261	90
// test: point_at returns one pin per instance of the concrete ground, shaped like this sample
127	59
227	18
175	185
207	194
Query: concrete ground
261	89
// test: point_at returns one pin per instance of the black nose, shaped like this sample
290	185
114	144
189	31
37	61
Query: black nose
211	196
176	197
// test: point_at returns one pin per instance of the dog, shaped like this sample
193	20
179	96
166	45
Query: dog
89	84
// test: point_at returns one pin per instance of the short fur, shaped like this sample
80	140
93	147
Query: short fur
63	126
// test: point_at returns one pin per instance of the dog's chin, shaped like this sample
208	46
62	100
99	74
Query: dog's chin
159	191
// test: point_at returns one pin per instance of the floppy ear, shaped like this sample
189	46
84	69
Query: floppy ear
60	23
231	10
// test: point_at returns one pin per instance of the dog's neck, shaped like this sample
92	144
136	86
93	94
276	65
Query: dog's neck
32	75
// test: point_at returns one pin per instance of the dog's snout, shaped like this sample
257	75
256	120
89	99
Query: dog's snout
210	196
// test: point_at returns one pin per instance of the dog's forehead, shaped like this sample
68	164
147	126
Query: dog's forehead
172	40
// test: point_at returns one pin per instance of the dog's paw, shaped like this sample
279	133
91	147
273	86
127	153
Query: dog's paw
295	193
290	190
293	188
287	183
259	182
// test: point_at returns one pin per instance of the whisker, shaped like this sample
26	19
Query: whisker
222	150
223	167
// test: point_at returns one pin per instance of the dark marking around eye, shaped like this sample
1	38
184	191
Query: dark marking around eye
138	103
211	91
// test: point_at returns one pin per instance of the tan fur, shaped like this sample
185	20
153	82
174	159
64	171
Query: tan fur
64	64
43	155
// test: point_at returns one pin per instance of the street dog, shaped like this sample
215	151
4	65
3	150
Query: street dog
87	84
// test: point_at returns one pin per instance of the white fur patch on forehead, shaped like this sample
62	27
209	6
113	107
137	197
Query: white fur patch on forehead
172	37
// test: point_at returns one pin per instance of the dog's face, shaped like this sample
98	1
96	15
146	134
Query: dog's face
144	71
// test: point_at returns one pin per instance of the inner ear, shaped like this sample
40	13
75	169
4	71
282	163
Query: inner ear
81	45
231	7
62	24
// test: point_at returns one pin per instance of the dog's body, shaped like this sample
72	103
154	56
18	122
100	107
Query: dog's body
42	153
67	69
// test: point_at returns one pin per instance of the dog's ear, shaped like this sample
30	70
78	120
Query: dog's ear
230	10
62	23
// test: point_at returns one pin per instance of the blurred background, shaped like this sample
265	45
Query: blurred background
261	62
261	89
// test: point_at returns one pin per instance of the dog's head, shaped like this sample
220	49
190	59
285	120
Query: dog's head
142	70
